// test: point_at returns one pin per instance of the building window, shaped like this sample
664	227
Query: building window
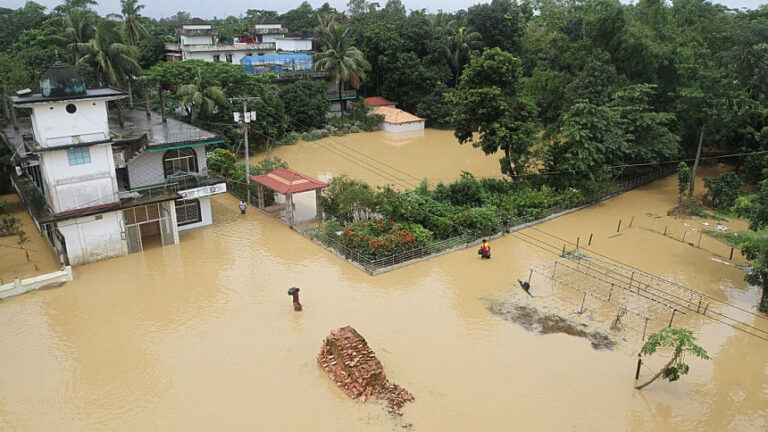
79	156
229	58
188	212
217	58
71	108
179	160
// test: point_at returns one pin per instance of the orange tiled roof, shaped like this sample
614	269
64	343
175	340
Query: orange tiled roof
375	101
285	181
396	115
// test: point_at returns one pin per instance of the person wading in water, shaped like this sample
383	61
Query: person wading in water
485	250
243	206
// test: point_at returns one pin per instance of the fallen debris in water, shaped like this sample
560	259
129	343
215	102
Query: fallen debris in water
352	365
545	323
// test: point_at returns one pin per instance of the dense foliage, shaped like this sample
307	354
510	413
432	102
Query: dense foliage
378	238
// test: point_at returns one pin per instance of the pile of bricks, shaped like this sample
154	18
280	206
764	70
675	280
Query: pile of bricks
352	365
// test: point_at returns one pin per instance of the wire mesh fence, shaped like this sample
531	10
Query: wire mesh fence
376	264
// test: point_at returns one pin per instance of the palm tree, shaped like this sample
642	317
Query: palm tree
323	29
196	98
461	43
80	28
345	62
129	13
112	59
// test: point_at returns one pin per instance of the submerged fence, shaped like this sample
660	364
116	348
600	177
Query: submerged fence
379	264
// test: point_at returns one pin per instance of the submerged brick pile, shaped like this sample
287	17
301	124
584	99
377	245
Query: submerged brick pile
352	365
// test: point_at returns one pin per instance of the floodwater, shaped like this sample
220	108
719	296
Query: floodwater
202	336
13	257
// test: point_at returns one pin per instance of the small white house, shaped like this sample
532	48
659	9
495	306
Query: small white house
397	120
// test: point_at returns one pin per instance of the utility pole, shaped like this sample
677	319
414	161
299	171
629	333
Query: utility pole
247	118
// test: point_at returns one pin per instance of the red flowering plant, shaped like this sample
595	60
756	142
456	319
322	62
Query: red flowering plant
378	238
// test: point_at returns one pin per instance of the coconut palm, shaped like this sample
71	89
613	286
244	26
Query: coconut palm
80	28
197	98
461	43
129	13
344	62
112	59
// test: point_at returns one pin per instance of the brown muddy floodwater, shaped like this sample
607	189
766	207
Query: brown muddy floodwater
202	336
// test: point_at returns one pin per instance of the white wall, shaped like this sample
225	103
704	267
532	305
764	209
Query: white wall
147	168
80	186
94	238
205	213
53	125
237	55
294	45
402	127
196	40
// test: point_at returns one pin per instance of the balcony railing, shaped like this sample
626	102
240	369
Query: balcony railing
197	32
333	95
264	46
263	30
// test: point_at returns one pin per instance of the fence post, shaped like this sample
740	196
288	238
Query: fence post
589	243
618	227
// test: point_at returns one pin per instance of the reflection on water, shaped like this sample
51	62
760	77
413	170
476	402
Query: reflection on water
201	335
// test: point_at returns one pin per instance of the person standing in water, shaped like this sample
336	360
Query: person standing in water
243	206
485	250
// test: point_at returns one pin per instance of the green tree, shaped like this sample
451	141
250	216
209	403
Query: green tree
80	29
490	111
754	246
590	138
344	62
683	177
113	60
305	103
682	342
461	43
201	97
502	23
132	25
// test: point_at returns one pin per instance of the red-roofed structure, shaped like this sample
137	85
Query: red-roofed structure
377	101
288	182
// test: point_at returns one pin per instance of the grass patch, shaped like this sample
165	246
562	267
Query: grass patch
698	212
731	239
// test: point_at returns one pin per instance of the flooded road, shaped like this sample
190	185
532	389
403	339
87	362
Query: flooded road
202	336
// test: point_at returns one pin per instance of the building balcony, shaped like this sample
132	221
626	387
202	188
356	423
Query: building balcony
264	46
333	95
268	30
197	32
173	46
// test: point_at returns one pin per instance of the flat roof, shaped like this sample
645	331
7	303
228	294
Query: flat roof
172	133
97	93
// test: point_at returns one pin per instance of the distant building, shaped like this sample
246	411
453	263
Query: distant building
397	120
271	30
198	41
98	183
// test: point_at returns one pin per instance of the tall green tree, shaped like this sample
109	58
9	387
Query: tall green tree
461	43
112	58
132	25
201	97
491	112
344	62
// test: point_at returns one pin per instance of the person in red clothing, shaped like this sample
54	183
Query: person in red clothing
485	250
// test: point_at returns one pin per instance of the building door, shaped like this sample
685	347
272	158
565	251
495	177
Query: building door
151	223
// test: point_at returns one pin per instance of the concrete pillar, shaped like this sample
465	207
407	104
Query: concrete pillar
261	196
289	200
318	208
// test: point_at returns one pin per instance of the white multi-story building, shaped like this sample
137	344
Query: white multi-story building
98	183
197	40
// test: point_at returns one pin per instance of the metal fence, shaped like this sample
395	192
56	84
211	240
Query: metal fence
374	264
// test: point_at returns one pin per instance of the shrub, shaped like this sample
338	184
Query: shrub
332	227
465	192
442	227
346	198
479	220
354	129
380	238
722	190
9	225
